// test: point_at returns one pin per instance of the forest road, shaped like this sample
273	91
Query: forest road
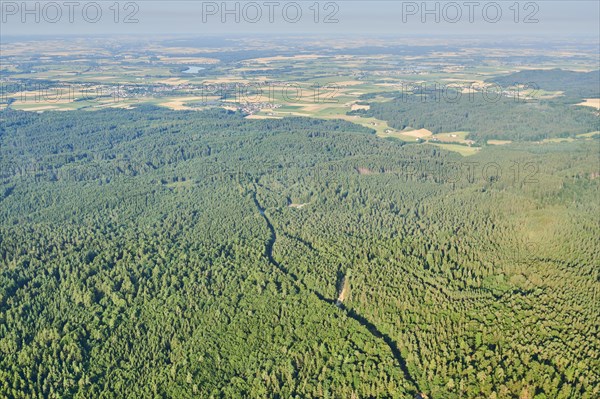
336	302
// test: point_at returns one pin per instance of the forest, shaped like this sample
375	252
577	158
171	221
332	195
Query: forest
486	116
201	254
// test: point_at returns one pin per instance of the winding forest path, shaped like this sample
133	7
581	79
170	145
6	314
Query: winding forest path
372	328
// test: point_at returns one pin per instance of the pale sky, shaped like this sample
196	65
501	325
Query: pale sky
213	18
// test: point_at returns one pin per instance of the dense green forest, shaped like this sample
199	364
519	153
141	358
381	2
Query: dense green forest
175	254
484	115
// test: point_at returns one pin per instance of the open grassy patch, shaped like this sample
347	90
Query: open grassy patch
461	149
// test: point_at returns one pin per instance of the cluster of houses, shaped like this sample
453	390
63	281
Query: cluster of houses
253	108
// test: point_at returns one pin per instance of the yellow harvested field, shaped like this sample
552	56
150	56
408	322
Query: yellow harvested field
499	142
420	133
55	96
587	135
591	102
178	104
42	108
358	106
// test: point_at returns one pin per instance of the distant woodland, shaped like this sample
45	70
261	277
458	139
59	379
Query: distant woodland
485	115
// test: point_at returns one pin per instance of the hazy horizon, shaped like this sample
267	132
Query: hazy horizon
542	18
